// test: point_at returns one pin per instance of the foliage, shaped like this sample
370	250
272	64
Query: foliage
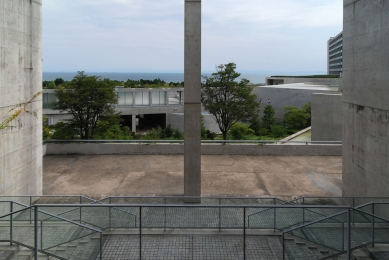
278	131
268	119
46	131
298	118
210	135
90	100
158	133
18	109
58	81
156	83
255	124
62	131
239	131
227	100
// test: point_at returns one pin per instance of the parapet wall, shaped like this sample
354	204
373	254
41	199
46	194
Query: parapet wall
20	79
206	149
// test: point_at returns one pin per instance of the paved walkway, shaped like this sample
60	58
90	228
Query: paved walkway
126	175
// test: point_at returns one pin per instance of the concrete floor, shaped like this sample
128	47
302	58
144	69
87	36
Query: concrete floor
125	175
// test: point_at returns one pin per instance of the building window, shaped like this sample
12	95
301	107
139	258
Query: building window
48	100
125	99
158	98
142	98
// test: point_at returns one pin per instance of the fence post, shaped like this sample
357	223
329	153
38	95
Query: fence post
101	245
30	208
36	233
140	233
274	220
349	234
165	215
110	215
342	236
11	224
373	231
353	211
220	224
244	233
283	246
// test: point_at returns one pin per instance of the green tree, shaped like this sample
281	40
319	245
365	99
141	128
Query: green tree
227	100
90	100
255	124
59	81
296	118
51	85
268	119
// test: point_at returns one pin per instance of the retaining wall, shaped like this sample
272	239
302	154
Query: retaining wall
206	149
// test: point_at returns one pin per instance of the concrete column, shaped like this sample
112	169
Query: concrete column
133	124
365	98
192	108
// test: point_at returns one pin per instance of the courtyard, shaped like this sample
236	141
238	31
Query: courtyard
99	176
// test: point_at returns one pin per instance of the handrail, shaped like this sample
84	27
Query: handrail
14	212
119	209
182	141
371	215
192	197
191	206
315	222
64	219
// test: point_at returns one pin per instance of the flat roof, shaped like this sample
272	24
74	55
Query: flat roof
308	86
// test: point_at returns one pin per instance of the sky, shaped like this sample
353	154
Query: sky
148	35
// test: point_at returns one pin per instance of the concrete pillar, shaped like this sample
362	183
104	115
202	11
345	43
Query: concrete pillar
133	124
20	79
365	98
192	108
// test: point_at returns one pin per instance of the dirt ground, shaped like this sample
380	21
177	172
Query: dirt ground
125	175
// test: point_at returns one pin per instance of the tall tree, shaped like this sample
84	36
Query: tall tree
227	100
268	119
90	100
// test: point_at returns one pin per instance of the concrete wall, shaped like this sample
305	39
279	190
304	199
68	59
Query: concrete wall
365	98
20	79
326	117
288	95
286	80
206	149
176	120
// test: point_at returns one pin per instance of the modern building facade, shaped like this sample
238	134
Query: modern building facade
139	107
335	55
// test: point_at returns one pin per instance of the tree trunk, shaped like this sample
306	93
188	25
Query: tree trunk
224	135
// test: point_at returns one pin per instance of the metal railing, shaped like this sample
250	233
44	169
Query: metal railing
157	217
32	234
182	141
341	233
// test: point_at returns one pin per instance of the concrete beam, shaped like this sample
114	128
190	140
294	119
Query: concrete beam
192	92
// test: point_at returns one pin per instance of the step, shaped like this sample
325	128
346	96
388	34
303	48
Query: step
360	254
379	251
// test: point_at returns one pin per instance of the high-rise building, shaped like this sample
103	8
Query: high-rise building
335	55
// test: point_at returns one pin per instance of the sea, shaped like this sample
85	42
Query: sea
255	78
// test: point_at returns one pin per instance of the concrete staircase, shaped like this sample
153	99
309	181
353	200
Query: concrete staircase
306	250
17	252
84	248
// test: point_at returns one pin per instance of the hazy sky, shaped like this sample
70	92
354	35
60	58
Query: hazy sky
148	35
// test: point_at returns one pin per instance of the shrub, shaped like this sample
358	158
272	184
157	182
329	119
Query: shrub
239	131
278	131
